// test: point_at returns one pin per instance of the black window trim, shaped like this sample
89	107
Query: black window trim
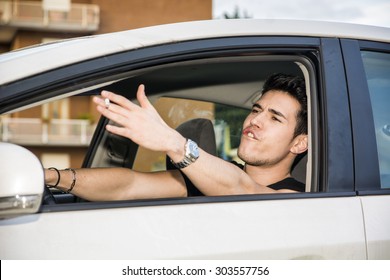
336	174
82	206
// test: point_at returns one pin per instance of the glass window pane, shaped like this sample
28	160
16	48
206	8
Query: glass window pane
377	67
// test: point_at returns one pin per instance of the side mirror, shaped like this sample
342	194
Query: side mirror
21	181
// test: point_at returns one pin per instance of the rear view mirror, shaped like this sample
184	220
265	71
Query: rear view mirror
21	181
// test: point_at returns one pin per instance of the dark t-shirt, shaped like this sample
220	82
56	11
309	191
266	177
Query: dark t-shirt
288	183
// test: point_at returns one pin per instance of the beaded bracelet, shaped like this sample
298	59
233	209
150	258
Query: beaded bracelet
73	181
58	176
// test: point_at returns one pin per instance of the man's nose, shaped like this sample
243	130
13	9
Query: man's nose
257	120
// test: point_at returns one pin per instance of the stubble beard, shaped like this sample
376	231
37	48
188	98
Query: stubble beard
256	160
252	160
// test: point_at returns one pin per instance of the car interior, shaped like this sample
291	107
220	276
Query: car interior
229	81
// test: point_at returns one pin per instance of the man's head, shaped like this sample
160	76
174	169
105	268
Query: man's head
276	129
295	87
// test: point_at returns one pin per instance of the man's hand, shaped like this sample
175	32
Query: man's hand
140	123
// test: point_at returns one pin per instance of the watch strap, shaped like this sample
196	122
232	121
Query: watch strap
188	159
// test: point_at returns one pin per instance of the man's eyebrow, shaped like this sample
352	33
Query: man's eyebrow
272	111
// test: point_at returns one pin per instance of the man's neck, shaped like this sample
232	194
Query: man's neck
268	175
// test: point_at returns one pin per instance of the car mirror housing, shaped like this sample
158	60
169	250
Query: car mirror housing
21	181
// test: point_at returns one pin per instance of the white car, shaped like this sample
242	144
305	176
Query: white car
210	70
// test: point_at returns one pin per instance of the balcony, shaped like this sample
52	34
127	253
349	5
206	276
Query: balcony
32	15
36	132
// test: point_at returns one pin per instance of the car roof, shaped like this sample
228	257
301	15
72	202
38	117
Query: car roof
53	55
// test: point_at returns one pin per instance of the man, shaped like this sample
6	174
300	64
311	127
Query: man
274	133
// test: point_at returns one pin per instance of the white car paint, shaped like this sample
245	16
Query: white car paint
20	161
377	225
250	230
21	180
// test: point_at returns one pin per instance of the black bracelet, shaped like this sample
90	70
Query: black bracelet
58	176
73	181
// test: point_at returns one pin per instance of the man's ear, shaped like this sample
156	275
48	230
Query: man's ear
300	144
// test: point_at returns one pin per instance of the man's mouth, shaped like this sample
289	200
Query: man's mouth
249	133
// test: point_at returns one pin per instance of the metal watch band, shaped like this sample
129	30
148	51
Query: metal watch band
190	156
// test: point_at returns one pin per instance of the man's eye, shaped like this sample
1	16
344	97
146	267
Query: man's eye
275	119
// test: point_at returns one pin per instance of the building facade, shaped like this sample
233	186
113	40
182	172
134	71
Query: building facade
58	133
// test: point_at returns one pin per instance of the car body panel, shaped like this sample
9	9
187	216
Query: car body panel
377	225
257	229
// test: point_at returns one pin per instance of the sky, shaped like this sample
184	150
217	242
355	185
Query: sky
370	12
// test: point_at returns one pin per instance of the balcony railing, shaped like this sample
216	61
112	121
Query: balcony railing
31	15
62	132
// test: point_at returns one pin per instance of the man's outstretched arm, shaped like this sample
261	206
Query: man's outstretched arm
143	125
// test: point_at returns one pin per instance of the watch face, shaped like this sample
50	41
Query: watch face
193	149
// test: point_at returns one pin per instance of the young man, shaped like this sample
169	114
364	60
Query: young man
274	133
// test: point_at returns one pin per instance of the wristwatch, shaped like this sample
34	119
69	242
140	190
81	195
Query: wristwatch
191	154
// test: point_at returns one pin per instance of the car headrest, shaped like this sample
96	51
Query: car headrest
202	132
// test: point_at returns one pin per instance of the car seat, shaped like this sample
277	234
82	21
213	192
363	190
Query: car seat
298	170
202	132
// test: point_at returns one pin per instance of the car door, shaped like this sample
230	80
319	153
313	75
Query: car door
326	222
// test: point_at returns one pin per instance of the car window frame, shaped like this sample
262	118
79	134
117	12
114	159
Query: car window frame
113	66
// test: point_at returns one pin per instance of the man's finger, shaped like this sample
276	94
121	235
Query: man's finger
141	97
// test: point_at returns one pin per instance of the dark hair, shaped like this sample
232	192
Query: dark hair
295	87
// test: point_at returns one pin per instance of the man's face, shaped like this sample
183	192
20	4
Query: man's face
268	130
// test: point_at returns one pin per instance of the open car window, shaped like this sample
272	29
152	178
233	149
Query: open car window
221	90
71	133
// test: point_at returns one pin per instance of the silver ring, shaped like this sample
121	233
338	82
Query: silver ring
107	103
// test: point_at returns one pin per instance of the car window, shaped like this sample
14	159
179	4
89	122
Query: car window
227	123
221	90
377	68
